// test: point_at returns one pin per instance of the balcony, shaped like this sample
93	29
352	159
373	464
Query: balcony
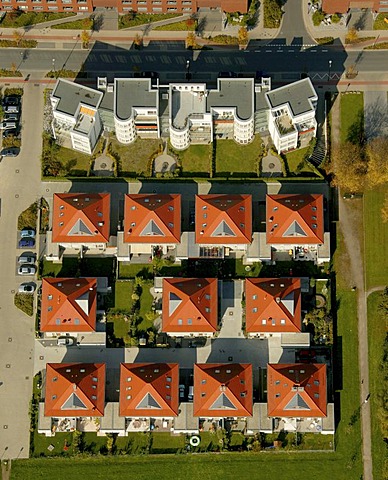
284	125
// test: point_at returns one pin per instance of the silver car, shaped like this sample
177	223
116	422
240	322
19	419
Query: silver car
26	258
27	270
27	288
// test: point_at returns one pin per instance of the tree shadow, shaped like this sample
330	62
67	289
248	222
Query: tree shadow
356	132
376	119
98	22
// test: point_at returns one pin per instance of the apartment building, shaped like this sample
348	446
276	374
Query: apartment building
124	6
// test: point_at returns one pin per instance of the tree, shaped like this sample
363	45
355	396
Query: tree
351	36
376	153
318	17
191	40
85	39
243	36
17	36
272	13
13	68
138	41
384	210
349	167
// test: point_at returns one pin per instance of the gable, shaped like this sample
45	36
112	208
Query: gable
148	402
297	402
223	230
83	302
174	302
289	303
73	403
295	230
151	229
80	229
223	403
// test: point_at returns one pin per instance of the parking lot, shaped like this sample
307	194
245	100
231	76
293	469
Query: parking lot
10	125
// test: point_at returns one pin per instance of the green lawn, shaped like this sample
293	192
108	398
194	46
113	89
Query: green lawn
123	292
133	20
195	160
132	270
76	163
68	268
146	300
73	266
31	18
82	24
352	116
376	238
237	160
379	23
134	159
376	341
178	26
164	442
295	159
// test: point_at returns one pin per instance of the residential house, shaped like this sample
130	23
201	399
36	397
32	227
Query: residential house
149	395
272	306
152	226
68	305
297	398
343	6
222	390
292	122
75	115
295	228
80	223
74	398
190	306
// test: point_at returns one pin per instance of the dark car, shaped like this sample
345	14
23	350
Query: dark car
10	152
12	132
26	242
352	195
227	75
11	100
307	356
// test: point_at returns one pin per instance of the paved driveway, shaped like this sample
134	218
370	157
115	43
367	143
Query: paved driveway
20	185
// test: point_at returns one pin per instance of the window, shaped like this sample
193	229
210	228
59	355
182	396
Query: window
203	381
55	379
264	321
207	296
129	379
156	370
168	379
254	297
316	382
277	382
189	321
282	321
254	309
82	370
180	321
228	371
277	395
203	394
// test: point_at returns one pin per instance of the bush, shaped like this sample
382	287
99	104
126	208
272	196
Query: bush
272	13
28	218
18	44
25	303
225	39
318	17
335	18
325	40
10	73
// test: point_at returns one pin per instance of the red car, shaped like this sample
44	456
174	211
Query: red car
307	356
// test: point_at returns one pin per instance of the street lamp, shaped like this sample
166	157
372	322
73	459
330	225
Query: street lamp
188	69
308	7
53	64
329	74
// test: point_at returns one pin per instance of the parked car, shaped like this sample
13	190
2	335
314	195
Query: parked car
27	232
26	242
11	100
8	125
10	132
227	75
11	109
307	356
352	195
10	152
27	288
190	396
11	117
26	258
181	391
27	270
65	341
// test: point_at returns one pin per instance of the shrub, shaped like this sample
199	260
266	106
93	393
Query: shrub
272	13
25	303
335	18
318	17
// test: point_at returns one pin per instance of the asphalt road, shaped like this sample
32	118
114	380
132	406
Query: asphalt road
292	29
284	61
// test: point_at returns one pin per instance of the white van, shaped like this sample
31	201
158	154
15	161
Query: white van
190	396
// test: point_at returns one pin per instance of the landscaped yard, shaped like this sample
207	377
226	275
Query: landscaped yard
29	217
234	160
376	351
379	23
18	19
164	442
82	24
132	270
296	162
352	116
134	159
61	161
195	160
135	19
376	238
73	267
184	26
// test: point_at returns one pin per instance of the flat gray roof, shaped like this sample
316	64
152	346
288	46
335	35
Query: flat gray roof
133	92
71	94
107	101
233	92
296	94
185	103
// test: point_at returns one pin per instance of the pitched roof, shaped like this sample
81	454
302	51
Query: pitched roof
149	389
81	217
223	390
296	390
223	219
339	6
295	219
150	218
189	305
273	305
68	305
75	390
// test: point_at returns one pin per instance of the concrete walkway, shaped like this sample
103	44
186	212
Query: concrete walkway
375	114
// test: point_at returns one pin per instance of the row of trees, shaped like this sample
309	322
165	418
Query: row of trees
358	165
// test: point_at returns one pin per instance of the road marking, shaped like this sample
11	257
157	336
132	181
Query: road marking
313	50
325	50
291	50
279	50
257	51
268	51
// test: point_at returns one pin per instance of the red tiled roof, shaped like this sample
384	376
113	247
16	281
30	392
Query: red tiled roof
149	389
68	305
152	218
295	219
81	218
223	219
223	390
296	390
275	300
189	305
337	6
75	390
